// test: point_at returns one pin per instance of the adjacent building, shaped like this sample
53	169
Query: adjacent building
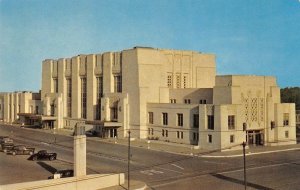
167	95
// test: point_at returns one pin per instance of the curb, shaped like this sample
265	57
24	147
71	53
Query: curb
248	154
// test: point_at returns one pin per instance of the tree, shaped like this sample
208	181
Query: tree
291	95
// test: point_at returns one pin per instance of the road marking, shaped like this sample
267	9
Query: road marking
177	166
151	172
169	170
44	143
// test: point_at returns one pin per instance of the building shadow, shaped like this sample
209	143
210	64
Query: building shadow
47	167
241	182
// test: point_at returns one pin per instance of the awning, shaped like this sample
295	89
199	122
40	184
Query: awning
105	124
37	117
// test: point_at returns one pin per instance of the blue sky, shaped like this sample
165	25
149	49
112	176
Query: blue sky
257	37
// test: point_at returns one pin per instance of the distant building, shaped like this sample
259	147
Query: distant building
168	95
14	104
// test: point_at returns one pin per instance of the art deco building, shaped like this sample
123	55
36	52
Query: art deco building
168	95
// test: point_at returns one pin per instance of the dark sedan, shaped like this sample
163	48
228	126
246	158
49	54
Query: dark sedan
43	155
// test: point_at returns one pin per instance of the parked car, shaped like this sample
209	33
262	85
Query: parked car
43	155
5	139
6	143
21	149
62	174
6	147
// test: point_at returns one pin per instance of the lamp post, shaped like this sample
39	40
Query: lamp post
128	159
244	155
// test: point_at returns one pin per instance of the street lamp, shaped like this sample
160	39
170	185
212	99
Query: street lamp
244	155
128	159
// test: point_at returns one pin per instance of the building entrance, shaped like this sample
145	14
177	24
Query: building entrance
108	132
255	137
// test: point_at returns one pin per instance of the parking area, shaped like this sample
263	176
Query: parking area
16	169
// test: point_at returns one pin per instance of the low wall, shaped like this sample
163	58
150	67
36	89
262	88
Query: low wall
89	182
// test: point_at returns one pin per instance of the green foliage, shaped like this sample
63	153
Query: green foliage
291	95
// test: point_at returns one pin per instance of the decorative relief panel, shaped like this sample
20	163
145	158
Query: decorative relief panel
210	109
261	109
253	108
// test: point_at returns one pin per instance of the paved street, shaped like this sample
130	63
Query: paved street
158	169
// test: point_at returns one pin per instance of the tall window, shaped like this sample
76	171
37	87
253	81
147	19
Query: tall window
178	81
196	120
114	113
210	122
163	132
117	83
231	138
180	119
52	110
185	78
55	85
165	118
69	97
169	80
209	138
285	119
231	122
36	109
150	117
99	95
83	98
196	136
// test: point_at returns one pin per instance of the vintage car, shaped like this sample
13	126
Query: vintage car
43	155
21	149
6	143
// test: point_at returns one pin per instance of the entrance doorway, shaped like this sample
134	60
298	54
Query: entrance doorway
107	132
255	137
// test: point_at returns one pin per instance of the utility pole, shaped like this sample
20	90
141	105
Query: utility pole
244	153
128	159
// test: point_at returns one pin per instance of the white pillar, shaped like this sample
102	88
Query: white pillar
79	155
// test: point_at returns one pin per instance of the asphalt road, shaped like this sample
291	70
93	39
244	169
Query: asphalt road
159	170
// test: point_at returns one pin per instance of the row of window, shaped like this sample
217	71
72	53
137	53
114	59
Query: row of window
210	139
83	83
179	134
210	120
177	80
188	101
165	118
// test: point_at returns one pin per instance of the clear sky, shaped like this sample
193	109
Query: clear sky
257	37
